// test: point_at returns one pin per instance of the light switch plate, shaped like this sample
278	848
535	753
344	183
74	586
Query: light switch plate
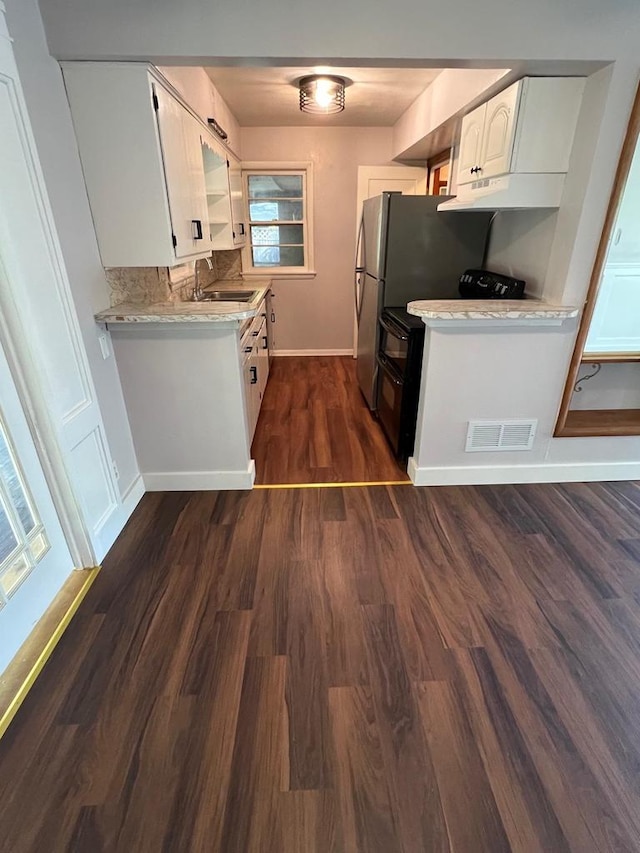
104	346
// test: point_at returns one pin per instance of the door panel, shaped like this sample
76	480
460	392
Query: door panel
499	130
33	281
471	144
614	326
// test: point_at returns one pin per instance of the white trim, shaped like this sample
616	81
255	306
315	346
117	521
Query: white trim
115	522
476	475
481	323
132	496
287	352
280	274
196	481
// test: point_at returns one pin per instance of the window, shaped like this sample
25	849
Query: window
278	205
23	542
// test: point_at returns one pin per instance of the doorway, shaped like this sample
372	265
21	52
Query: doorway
315	426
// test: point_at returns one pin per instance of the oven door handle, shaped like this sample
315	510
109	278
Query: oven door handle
393	330
389	369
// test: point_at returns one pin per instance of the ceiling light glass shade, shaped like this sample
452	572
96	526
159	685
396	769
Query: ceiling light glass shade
321	94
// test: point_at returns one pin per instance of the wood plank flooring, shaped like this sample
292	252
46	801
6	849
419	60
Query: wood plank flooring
315	427
358	670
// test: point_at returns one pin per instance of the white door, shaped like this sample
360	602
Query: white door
34	557
372	181
499	132
614	325
471	145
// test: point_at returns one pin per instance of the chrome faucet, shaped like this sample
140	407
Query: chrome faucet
197	294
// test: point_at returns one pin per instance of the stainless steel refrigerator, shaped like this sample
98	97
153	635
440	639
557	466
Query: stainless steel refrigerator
406	251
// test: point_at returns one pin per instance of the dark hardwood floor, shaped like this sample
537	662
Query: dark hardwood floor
384	670
315	427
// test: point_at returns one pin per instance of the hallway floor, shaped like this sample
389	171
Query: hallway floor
315	427
381	670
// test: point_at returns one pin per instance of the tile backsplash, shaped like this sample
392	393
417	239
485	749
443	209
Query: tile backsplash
144	285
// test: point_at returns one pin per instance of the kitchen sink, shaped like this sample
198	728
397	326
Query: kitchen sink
228	296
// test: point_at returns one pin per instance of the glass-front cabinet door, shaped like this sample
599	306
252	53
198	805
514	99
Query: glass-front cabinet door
216	180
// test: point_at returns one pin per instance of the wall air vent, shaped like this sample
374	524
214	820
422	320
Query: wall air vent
500	435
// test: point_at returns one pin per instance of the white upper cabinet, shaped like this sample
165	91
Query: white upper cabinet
528	128
157	177
225	204
238	214
181	154
471	143
498	133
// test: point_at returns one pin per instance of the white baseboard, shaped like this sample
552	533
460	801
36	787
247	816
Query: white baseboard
200	481
476	475
132	496
285	352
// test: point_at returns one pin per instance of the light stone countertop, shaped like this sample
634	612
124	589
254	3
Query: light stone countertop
490	309
192	312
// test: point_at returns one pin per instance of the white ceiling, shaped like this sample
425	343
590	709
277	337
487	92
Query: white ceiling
268	97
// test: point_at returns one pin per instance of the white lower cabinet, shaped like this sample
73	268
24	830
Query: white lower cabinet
254	346
182	159
184	391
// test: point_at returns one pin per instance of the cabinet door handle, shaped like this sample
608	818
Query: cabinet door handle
248	349
196	229
241	226
273	317
265	344
254	375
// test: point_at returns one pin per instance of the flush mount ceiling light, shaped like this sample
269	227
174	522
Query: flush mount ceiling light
322	94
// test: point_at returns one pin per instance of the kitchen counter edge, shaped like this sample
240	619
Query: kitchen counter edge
190	312
490	309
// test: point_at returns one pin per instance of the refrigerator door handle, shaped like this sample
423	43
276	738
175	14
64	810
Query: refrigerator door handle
357	291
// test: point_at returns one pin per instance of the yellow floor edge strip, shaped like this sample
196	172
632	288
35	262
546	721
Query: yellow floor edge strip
333	485
45	654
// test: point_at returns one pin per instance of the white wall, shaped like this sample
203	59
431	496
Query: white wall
489	372
616	386
453	90
460	29
520	244
51	121
317	314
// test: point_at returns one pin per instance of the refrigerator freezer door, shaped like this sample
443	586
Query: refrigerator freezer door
427	251
367	365
374	220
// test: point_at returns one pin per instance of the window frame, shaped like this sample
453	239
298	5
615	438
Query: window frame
281	168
